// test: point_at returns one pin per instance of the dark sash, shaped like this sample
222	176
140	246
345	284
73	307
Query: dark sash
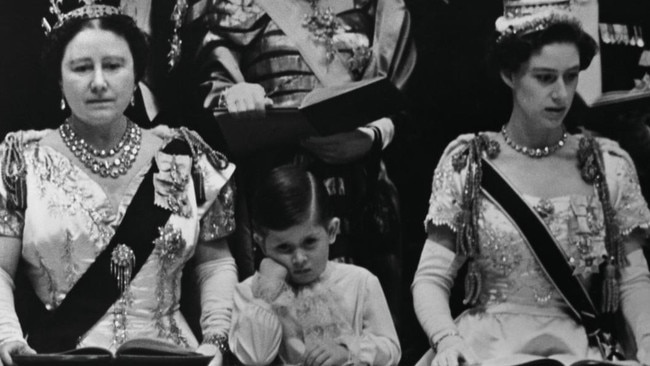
545	248
97	290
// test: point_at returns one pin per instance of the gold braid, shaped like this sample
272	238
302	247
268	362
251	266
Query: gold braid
467	238
592	170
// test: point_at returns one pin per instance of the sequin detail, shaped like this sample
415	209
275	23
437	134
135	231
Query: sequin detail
219	221
169	248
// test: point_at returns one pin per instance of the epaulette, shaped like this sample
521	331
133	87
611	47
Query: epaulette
199	148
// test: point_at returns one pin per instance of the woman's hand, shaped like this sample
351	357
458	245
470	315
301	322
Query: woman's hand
453	351
326	354
245	100
12	348
341	148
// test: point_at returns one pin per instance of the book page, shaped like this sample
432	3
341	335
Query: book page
148	346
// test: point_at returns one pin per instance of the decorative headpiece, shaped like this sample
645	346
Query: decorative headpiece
90	10
527	16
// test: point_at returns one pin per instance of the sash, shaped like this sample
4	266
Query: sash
95	292
547	252
289	15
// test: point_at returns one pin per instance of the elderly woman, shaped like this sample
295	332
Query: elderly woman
542	218
105	215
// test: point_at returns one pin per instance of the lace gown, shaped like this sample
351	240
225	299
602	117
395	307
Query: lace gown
69	221
519	311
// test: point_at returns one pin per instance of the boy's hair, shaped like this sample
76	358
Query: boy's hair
286	197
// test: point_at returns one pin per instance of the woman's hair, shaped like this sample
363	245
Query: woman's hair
122	25
286	197
510	52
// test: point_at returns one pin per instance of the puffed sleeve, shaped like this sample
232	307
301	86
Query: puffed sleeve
628	202
218	213
256	332
11	220
446	190
378	343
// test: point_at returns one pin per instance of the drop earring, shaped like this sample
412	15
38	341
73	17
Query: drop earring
62	103
132	102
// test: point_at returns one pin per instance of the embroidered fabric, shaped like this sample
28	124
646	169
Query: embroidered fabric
509	269
69	220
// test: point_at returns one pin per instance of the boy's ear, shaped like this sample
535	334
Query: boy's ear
333	229
259	240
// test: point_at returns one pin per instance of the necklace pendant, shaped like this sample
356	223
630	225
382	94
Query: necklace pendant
122	265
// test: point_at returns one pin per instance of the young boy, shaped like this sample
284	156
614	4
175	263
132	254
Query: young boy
300	308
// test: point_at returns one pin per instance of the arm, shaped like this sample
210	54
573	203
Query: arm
431	286
11	335
635	296
378	343
256	334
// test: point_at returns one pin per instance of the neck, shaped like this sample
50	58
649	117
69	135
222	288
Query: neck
532	135
100	137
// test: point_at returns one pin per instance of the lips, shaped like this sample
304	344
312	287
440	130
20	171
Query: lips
99	101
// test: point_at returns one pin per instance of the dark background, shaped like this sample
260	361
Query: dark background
451	93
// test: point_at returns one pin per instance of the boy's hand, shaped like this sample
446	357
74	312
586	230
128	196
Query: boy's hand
326	354
273	270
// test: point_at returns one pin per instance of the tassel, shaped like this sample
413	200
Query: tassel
199	186
122	265
610	289
14	174
473	284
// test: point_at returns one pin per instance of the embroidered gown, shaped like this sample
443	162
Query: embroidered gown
519	311
69	221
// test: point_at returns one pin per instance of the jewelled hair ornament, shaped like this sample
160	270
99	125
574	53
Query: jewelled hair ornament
527	16
89	10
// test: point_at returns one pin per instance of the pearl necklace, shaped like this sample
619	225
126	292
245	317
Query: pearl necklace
540	152
121	156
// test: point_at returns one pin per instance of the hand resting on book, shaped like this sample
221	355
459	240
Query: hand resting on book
12	348
245	100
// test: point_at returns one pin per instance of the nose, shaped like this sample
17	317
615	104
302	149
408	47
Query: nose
560	92
98	83
299	259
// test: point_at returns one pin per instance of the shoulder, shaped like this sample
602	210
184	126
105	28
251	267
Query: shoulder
613	154
350	272
25	137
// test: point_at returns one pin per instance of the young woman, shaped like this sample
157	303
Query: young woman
583	192
105	215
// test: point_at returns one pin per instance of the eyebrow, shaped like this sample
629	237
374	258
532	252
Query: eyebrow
549	69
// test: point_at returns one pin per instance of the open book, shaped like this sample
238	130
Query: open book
556	360
134	352
324	111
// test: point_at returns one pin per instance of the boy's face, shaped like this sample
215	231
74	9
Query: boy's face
303	249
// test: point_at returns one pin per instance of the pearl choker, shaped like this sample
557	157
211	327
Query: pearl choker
535	152
112	163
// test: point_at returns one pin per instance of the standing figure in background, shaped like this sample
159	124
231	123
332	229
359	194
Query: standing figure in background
248	58
300	307
103	215
533	211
